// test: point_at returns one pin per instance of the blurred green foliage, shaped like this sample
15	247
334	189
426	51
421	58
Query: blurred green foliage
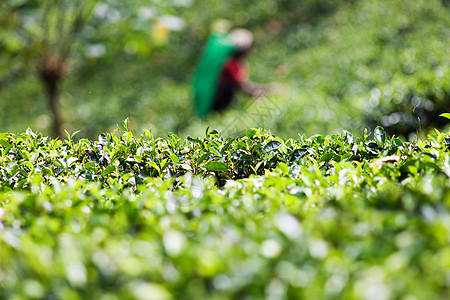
329	217
339	65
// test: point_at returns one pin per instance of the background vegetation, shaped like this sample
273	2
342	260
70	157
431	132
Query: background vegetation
340	65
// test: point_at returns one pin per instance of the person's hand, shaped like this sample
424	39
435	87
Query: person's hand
275	88
258	93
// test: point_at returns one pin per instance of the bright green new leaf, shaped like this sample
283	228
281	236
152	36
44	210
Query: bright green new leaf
445	115
109	169
216	166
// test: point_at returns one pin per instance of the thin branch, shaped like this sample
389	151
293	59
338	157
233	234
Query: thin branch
46	27
82	14
61	23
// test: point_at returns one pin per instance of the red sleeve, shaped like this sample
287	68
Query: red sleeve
233	73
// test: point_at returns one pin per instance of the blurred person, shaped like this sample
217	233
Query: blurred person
222	71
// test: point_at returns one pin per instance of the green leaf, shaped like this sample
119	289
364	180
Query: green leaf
30	133
14	169
129	135
5	143
297	154
350	138
216	166
71	160
445	115
67	134
284	168
319	139
34	156
126	176
240	145
148	134
7	149
164	164
273	145
21	183
26	154
380	135
23	172
74	134
174	158
126	124
109	169
203	157
226	146
89	165
140	151
154	165
346	156
186	167
397	142
250	133
373	147
326	157
102	140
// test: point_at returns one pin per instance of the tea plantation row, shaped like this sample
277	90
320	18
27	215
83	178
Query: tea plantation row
256	217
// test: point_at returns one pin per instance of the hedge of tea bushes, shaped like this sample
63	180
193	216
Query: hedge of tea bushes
254	217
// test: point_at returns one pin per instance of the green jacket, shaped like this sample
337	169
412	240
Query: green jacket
206	77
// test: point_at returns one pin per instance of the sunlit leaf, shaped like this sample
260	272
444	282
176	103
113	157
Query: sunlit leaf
217	166
273	145
380	135
445	115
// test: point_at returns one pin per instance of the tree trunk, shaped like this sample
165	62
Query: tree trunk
53	97
51	71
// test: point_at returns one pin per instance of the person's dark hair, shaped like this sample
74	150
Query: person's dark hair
241	52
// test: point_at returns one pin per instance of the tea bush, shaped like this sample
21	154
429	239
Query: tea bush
126	217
